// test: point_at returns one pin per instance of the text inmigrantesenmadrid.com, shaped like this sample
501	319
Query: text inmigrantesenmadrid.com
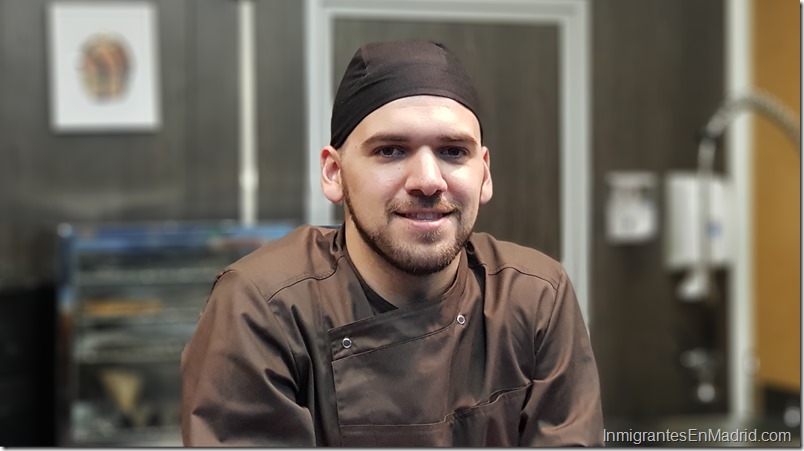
698	435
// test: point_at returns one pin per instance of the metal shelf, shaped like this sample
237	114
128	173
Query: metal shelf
139	354
168	436
147	276
130	296
165	317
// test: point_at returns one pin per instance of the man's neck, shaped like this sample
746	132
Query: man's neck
395	286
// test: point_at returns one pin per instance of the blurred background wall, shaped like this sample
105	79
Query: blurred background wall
658	74
777	200
187	170
657	71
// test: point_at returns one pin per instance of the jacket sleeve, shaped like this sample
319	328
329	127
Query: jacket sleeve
564	407
239	379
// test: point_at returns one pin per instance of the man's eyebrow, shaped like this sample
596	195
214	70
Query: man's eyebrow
458	138
385	138
395	138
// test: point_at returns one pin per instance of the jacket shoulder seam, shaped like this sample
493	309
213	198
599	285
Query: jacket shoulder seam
499	269
287	283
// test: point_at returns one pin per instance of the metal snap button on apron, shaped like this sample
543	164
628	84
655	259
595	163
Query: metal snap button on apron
461	319
347	343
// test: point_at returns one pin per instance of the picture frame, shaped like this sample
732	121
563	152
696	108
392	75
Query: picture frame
103	66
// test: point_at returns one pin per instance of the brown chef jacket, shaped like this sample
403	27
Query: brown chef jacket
289	352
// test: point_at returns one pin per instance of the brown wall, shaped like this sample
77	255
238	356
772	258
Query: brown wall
186	170
777	200
657	77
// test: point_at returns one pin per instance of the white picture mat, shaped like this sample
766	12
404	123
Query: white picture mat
72	108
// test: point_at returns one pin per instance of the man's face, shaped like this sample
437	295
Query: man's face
413	175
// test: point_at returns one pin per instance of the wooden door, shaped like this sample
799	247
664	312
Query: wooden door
515	69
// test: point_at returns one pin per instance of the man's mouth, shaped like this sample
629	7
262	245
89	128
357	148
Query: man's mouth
424	216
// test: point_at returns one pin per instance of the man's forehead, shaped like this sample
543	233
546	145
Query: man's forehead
438	117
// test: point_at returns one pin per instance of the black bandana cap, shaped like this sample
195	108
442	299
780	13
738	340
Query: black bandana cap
385	71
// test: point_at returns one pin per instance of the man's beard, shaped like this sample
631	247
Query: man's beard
405	257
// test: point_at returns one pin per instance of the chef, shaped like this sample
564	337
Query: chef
401	327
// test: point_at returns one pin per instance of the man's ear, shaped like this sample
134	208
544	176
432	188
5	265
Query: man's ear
331	182
486	188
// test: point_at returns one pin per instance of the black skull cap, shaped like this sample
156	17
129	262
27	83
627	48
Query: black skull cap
381	72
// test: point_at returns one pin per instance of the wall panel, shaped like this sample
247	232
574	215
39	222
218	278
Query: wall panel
282	120
658	75
184	170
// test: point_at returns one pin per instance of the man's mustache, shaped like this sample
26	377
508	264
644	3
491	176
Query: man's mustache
437	202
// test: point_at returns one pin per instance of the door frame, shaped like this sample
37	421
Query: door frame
741	346
572	20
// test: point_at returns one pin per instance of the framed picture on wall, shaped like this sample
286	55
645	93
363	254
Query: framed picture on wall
103	66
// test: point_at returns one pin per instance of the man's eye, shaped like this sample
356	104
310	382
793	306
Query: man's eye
454	152
389	151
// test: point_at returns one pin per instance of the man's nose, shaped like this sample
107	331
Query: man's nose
424	173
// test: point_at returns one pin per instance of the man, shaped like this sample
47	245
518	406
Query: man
401	328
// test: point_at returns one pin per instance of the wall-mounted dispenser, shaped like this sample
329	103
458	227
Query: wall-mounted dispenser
683	223
631	207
